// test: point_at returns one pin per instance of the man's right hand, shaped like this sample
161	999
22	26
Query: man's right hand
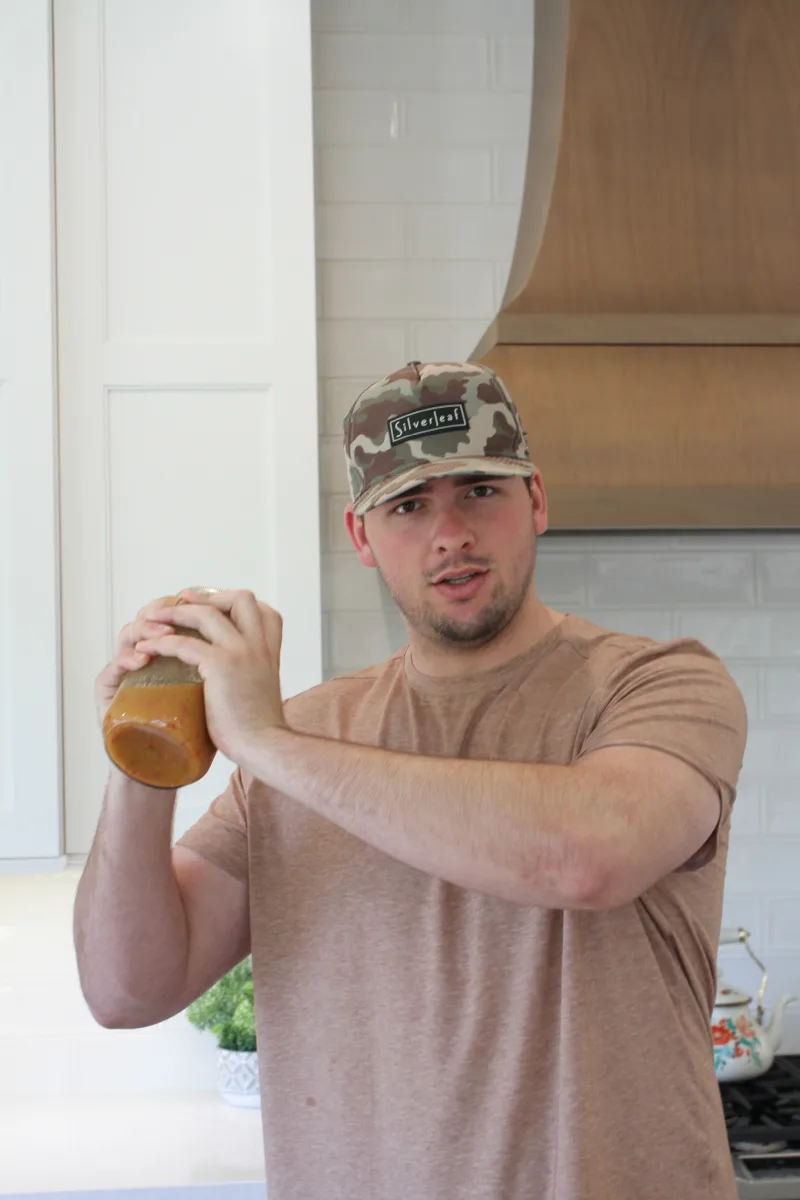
126	659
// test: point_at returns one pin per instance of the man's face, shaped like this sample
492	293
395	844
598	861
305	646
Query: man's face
456	554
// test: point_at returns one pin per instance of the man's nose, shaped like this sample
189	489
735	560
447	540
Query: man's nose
452	531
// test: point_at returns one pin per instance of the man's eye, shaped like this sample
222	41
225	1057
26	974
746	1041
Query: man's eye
405	506
485	488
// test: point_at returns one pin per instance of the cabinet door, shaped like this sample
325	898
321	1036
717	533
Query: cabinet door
186	296
30	736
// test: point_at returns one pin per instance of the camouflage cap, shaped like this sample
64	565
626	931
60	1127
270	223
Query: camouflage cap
428	420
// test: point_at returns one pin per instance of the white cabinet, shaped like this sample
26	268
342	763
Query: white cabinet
30	749
187	363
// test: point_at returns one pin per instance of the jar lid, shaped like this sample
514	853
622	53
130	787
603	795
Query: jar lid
730	995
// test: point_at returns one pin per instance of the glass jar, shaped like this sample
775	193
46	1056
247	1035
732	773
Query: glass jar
155	729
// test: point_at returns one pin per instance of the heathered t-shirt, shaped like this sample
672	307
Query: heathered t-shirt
422	1041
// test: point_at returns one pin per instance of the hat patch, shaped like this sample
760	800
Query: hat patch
425	422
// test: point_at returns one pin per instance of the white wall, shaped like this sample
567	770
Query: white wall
421	128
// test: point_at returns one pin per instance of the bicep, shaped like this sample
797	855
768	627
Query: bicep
663	812
217	918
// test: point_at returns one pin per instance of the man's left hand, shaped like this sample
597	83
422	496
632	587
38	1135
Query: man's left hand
239	662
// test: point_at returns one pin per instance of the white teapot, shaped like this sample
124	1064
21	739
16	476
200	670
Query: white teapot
744	1046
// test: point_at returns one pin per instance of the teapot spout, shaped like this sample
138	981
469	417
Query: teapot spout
773	1030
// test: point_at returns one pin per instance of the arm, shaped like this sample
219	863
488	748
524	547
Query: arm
592	835
153	928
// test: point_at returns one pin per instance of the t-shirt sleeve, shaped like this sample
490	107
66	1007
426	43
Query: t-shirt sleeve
220	834
680	698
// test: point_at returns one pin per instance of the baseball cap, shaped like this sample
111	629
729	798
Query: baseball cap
428	420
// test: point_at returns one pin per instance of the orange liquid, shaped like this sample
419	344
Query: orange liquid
157	734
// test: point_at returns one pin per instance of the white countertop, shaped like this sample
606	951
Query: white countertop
163	1140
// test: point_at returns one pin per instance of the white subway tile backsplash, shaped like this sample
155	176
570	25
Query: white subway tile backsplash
782	806
561	578
404	174
335	538
332	465
641	622
359	16
721	579
743	912
444	341
472	16
337	398
747	818
360	639
784	638
772	750
372	348
740	635
347	586
783	923
401	61
419	290
353	231
782	691
469	117
357	118
604	542
512	63
757	863
782	979
509	174
778	577
462	231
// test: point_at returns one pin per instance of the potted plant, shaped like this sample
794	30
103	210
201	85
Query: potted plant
227	1011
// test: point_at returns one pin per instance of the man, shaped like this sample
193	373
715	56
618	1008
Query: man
481	881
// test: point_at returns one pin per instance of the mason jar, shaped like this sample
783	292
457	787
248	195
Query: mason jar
155	729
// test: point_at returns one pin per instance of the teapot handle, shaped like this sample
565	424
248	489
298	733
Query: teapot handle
728	937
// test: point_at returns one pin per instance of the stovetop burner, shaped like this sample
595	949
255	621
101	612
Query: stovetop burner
763	1114
763	1120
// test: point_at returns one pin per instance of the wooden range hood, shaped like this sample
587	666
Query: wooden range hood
650	331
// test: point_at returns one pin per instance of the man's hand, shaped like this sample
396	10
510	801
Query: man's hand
239	662
126	657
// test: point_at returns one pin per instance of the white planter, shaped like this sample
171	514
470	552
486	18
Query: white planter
237	1077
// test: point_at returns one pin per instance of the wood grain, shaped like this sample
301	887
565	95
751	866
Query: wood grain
661	436
677	186
650	330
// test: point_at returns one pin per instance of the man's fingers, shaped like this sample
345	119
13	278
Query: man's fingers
133	633
189	650
245	610
206	619
273	627
146	613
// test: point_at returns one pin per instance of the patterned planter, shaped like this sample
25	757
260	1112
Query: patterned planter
237	1077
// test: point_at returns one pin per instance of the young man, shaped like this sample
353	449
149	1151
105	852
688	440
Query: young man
481	881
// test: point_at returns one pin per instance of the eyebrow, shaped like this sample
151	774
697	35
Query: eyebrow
463	481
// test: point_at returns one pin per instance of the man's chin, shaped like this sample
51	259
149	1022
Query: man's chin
477	631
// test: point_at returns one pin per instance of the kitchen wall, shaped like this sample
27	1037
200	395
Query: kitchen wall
421	128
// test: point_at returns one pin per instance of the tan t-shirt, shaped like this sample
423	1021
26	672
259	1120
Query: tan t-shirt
420	1041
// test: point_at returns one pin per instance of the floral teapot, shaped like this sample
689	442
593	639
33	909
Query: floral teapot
744	1047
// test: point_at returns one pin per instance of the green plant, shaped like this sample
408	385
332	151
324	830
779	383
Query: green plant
227	1010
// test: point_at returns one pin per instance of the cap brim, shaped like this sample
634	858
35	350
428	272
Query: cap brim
396	485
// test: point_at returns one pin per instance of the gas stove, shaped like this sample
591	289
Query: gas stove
763	1120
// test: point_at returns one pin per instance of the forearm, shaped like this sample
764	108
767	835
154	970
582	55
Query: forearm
523	831
130	926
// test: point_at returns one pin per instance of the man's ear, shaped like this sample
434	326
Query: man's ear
358	536
539	502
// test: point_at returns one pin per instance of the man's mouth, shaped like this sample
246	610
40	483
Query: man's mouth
462	586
